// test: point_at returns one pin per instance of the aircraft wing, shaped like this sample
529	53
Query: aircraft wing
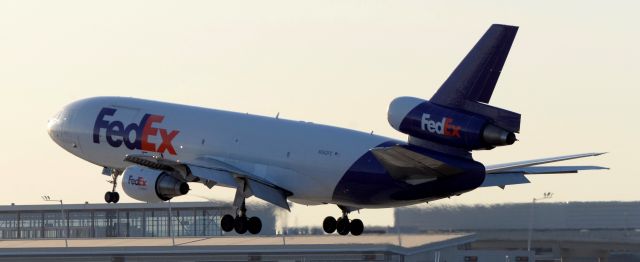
210	171
514	173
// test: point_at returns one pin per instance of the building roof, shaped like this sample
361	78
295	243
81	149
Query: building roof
103	206
569	215
400	244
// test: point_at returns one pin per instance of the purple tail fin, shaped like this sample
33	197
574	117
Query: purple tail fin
471	84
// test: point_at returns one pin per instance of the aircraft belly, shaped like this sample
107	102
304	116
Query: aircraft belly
368	184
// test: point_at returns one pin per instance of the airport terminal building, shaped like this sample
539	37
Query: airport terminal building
190	231
545	216
143	232
121	220
565	231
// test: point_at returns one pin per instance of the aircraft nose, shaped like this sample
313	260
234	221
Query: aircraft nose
62	130
54	128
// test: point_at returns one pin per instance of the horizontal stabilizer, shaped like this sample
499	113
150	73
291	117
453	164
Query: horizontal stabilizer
514	173
508	167
534	170
517	176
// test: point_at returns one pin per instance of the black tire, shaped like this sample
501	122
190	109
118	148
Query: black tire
329	225
227	223
254	225
107	197
356	227
342	225
240	225
115	197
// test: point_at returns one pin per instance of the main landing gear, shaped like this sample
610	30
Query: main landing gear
112	196
343	225
240	223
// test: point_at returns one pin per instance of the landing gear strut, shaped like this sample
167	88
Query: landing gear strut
240	223
112	196
342	224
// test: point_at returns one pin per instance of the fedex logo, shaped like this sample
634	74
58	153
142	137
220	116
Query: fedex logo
140	181
444	127
134	135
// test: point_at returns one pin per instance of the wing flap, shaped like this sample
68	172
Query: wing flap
220	177
269	194
226	174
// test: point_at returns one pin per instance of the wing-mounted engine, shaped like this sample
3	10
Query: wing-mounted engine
423	119
152	185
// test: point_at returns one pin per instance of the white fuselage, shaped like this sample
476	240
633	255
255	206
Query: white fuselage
305	158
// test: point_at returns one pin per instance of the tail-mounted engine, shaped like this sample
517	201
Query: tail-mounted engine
151	185
459	114
423	119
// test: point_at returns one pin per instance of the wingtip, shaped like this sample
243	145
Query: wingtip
592	154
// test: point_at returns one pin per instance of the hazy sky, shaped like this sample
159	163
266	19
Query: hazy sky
572	73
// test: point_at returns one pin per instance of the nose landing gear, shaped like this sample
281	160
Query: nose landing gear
343	225
112	196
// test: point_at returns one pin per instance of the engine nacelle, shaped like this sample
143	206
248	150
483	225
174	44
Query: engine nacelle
423	119
151	185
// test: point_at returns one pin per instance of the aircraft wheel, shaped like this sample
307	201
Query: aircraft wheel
254	225
329	225
356	227
115	197
227	223
108	197
240	224
342	226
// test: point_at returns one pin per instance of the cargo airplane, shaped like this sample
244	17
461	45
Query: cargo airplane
158	148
